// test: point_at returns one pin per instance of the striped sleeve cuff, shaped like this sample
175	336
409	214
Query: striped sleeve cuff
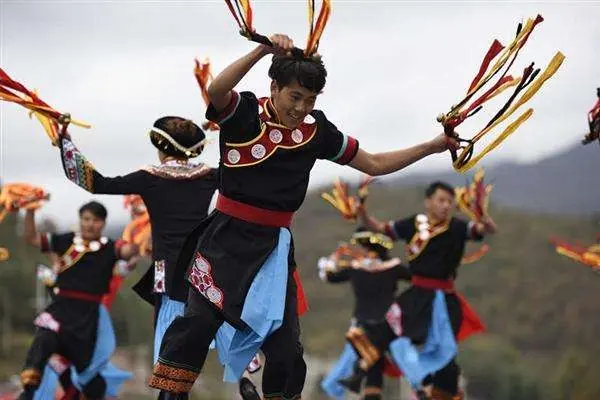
347	151
230	109
46	242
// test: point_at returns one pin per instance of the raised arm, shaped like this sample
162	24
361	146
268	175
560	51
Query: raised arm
392	161
30	230
219	91
371	223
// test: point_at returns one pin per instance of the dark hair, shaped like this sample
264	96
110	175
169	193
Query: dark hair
432	188
310	73
184	132
97	209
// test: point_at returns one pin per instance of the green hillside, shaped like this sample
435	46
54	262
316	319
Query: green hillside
542	311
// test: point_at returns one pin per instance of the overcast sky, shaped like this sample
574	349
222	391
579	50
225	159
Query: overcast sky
393	66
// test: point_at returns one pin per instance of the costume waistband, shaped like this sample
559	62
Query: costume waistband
77	295
433	284
255	215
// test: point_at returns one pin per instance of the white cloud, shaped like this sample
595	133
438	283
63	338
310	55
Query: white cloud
393	66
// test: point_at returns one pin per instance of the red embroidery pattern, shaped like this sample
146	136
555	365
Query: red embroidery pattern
202	280
271	137
159	276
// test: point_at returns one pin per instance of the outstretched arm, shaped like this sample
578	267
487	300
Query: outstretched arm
392	161
371	223
30	231
219	91
81	172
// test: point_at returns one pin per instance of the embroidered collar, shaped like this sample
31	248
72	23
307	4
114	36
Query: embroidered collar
176	169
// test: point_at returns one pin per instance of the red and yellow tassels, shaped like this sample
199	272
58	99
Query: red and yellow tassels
243	15
589	256
473	199
15	196
204	77
139	230
4	254
316	30
475	256
531	78
14	92
342	201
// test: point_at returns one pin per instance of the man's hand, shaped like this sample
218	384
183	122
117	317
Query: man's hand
443	142
282	45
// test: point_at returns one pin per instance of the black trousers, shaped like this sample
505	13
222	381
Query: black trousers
186	343
47	342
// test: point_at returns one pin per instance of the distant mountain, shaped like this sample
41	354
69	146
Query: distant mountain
566	183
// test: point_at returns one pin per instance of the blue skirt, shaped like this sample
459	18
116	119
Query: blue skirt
262	312
103	350
342	369
439	349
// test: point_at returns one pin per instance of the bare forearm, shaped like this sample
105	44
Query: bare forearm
220	88
29	228
392	161
371	223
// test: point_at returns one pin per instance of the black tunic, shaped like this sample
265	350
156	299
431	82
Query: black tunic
224	260
440	260
373	291
177	198
76	321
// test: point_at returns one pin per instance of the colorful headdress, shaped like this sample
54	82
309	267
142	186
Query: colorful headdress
204	77
242	12
372	240
15	196
504	56
14	92
342	201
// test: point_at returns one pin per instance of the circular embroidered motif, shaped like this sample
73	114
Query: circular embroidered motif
297	136
260	109
79	248
421	218
95	246
423	227
258	151
214	295
309	119
424	235
202	265
233	156
276	136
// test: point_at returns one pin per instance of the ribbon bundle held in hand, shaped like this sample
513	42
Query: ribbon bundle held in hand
504	56
348	205
242	12
589	256
473	200
14	92
139	230
15	196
